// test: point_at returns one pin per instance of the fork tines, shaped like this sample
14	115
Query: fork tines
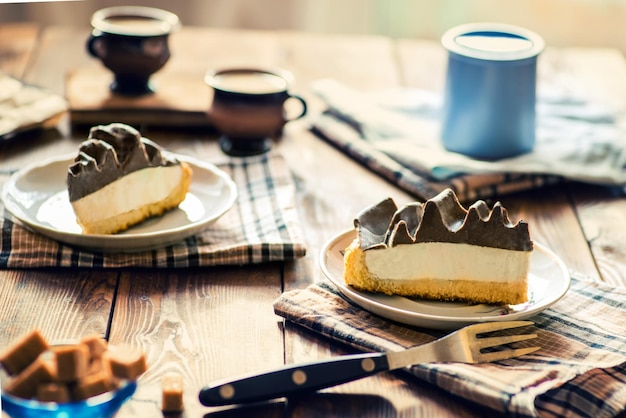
492	342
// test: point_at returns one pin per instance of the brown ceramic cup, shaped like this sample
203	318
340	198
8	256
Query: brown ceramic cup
248	107
132	42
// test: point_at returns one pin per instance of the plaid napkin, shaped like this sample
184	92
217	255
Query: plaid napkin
396	133
580	370
262	226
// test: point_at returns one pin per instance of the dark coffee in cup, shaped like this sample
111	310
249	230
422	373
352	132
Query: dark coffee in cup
248	107
132	42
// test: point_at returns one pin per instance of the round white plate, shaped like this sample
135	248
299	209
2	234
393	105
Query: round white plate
37	196
548	281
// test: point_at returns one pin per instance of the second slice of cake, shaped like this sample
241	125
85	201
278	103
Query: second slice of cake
440	250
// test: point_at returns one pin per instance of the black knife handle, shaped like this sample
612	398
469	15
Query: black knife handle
294	379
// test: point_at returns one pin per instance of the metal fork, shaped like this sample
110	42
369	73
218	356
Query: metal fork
463	346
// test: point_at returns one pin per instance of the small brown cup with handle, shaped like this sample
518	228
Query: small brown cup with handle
248	107
132	42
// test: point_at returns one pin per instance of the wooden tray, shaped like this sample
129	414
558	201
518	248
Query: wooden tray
181	100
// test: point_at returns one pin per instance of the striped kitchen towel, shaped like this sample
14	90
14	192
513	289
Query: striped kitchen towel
580	370
396	134
262	226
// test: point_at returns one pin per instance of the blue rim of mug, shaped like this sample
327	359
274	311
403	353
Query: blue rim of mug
210	78
170	21
450	41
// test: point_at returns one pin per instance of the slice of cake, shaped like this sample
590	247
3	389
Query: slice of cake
439	250
119	179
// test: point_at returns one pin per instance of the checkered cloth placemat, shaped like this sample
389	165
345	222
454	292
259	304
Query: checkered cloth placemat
262	226
396	134
336	130
580	370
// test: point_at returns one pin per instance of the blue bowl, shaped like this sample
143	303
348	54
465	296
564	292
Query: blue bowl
101	406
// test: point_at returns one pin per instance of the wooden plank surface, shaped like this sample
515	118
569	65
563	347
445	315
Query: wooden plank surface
63	304
205	325
17	43
179	100
215	323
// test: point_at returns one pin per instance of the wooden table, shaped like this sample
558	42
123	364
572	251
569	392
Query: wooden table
216	323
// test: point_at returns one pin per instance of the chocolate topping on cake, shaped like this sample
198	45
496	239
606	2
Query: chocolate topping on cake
110	152
440	219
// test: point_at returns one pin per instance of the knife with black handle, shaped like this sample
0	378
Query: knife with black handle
294	379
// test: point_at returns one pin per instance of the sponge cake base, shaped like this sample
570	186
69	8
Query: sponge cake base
476	280
133	198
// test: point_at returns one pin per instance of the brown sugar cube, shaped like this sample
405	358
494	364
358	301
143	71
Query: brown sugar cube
126	363
23	352
72	361
53	392
172	392
97	365
92	385
97	345
25	384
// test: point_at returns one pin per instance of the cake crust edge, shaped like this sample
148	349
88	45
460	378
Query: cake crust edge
357	275
125	220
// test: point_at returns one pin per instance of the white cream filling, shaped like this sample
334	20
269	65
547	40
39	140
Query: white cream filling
448	261
129	192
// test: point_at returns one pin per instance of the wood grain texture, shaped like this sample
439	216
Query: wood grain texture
602	215
17	42
62	304
204	324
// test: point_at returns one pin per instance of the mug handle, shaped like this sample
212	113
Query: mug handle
91	41
304	106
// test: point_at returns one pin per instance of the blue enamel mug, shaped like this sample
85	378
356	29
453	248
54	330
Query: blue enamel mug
490	94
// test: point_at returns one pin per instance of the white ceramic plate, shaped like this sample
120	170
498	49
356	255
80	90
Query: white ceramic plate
37	196
548	281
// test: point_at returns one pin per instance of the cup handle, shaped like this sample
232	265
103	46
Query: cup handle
304	106
91	44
